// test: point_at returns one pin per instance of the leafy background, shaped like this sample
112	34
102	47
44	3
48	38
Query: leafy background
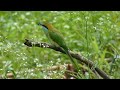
94	34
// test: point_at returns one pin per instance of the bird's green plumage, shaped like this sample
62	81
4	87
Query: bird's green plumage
56	37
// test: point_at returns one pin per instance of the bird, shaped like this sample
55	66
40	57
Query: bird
56	38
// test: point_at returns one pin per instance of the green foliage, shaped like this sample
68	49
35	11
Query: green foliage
95	34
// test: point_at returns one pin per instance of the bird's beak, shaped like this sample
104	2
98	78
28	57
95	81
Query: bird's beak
40	24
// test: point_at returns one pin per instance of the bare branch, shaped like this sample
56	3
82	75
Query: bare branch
78	57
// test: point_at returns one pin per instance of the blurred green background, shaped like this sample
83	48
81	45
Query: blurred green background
94	34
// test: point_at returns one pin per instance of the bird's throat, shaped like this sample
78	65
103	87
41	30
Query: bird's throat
45	29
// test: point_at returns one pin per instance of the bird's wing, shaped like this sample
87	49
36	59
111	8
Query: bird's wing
57	38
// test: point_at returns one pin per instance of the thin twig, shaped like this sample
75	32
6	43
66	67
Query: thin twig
78	57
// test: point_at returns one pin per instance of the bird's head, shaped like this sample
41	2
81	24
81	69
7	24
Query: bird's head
46	25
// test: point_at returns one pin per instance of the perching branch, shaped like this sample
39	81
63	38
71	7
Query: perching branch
79	57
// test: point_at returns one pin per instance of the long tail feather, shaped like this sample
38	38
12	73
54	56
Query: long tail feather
74	62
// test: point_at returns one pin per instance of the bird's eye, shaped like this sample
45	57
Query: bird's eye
45	26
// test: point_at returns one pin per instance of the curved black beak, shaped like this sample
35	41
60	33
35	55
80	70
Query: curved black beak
40	24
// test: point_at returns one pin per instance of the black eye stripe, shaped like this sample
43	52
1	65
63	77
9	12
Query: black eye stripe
45	26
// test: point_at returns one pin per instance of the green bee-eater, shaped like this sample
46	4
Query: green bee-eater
56	38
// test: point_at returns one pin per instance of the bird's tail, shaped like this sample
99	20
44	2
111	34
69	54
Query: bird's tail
75	64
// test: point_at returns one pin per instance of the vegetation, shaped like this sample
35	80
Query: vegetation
94	34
